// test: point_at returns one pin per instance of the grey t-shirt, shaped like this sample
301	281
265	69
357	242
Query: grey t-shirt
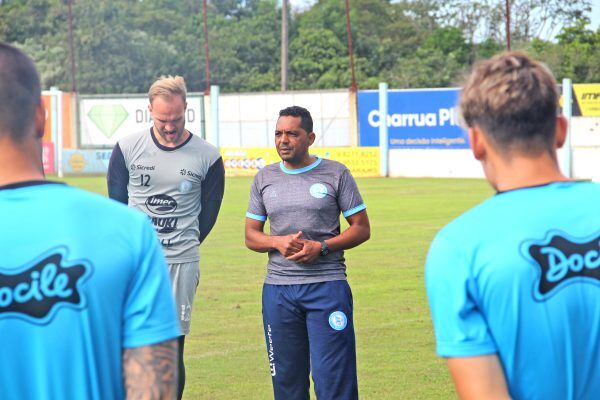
167	184
310	200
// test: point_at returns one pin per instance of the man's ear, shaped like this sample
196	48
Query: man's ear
311	138
561	132
40	120
477	143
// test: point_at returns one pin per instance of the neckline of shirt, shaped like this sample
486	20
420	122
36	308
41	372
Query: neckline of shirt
540	186
300	170
165	148
18	185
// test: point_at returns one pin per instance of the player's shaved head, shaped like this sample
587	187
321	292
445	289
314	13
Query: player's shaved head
514	100
21	92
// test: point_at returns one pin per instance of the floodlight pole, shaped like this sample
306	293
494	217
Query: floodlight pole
567	111
72	49
206	55
508	25
284	45
383	130
351	56
214	115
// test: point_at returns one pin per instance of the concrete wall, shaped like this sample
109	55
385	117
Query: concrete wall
248	120
585	157
417	163
585	141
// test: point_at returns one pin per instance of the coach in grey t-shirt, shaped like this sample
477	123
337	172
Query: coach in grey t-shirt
308	200
307	303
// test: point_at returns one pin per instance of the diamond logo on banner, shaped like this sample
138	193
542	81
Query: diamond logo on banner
108	118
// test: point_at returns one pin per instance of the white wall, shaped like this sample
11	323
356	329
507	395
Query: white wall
586	163
585	157
585	141
249	119
434	163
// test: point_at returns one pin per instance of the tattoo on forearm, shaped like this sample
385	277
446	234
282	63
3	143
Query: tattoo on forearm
150	372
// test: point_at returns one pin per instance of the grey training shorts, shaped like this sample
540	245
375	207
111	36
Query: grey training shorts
184	281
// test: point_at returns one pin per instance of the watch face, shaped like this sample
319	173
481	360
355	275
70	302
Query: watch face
324	249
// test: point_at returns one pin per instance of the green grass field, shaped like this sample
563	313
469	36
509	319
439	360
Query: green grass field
225	352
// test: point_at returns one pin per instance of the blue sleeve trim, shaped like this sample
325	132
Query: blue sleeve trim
354	210
256	217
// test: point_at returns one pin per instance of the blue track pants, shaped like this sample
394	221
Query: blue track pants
309	328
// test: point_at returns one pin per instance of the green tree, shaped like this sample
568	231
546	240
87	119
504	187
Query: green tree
449	41
21	20
318	60
123	45
383	33
246	52
429	68
580	53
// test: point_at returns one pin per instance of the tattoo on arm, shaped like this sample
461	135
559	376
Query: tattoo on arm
150	372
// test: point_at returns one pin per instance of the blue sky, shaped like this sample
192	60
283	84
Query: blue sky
595	17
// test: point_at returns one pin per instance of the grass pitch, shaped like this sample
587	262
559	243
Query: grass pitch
225	351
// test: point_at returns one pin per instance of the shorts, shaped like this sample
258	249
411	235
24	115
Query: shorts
184	282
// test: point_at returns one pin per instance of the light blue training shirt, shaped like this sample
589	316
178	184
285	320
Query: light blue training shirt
81	278
519	275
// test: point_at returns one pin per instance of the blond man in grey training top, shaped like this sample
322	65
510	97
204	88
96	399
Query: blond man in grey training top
177	179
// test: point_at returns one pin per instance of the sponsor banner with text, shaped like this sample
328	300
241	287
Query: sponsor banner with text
417	119
106	120
85	161
246	161
586	100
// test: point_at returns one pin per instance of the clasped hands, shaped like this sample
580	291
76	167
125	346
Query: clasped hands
294	248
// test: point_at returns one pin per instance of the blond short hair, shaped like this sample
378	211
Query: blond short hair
168	86
514	100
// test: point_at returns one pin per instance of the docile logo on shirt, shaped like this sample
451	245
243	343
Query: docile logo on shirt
563	261
40	288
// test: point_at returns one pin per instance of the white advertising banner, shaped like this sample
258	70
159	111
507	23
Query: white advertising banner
103	121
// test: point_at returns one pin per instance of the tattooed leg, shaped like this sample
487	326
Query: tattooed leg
150	372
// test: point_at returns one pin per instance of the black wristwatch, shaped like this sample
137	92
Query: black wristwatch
324	249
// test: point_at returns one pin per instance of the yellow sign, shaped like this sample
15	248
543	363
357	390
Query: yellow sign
246	161
588	98
77	162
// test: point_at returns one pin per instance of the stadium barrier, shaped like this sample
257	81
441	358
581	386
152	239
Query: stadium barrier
424	137
245	161
238	161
